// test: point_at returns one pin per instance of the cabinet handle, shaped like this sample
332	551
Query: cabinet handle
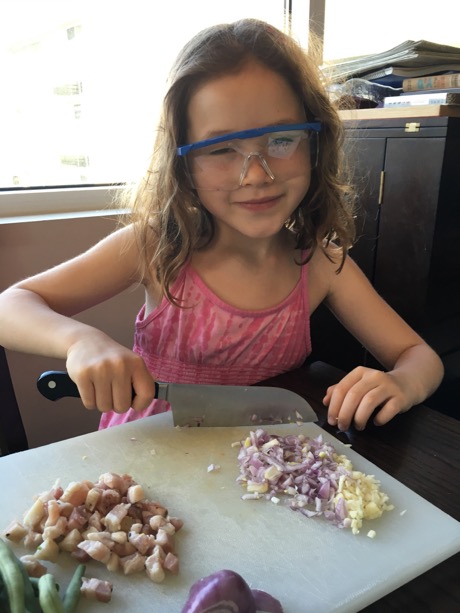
412	126
382	181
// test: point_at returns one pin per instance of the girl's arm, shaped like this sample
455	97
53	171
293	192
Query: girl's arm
414	370
36	317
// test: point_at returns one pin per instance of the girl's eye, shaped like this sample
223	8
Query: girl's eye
282	146
221	151
282	140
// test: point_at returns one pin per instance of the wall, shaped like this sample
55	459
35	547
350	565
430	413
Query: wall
27	247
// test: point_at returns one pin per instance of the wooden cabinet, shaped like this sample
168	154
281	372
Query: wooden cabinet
407	171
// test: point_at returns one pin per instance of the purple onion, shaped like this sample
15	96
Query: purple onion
222	592
265	603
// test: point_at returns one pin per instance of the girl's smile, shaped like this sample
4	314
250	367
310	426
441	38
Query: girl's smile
259	204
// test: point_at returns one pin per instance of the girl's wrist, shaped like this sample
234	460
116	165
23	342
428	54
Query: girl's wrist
83	336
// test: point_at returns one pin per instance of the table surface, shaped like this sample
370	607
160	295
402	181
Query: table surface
421	449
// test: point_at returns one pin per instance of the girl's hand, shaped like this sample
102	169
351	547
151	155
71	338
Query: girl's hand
106	373
360	392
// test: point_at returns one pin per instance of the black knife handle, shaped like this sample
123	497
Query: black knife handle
56	384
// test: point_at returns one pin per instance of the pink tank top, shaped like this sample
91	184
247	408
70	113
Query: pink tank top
211	342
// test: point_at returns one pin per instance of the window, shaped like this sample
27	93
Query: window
83	80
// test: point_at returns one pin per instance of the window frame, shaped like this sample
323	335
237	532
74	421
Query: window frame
28	203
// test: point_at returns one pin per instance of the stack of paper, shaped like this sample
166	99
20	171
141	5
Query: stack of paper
409	59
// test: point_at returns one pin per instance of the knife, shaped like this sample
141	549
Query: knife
207	405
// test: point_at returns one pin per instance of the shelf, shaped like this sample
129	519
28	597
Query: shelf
428	110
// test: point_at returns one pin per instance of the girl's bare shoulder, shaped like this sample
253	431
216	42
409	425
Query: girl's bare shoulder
121	249
323	271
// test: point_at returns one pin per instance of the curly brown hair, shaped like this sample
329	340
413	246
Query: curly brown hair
168	219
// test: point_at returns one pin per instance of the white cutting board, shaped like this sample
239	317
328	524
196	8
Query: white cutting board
308	564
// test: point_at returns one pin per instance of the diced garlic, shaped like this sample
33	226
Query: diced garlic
273	443
272	472
260	488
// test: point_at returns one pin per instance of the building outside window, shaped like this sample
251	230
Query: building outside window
82	81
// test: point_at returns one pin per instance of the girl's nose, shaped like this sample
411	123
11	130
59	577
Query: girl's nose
251	172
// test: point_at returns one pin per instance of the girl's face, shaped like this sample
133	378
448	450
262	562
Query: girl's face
262	199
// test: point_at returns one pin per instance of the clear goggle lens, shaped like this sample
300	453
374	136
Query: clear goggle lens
223	165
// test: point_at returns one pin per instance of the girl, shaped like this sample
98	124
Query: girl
239	230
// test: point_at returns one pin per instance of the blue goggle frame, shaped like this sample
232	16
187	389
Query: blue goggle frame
315	126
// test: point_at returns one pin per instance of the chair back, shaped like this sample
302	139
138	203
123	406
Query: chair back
12	434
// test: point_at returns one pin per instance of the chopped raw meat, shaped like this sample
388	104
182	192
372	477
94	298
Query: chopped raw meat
135	493
154	570
113	519
109	521
15	532
134	563
96	589
171	563
34	515
48	550
75	493
96	550
34	568
108	499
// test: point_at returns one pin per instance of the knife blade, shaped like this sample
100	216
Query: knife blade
207	405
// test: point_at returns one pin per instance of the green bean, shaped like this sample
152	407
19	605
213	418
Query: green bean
73	592
30	596
48	595
34	582
4	600
11	573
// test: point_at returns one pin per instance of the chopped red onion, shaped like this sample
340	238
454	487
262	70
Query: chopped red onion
304	469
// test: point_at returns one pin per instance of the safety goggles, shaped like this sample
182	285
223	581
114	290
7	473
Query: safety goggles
221	163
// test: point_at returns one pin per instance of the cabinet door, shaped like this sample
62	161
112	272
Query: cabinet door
331	342
413	168
366	158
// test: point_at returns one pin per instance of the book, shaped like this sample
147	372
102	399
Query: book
435	81
394	76
421	98
447	90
